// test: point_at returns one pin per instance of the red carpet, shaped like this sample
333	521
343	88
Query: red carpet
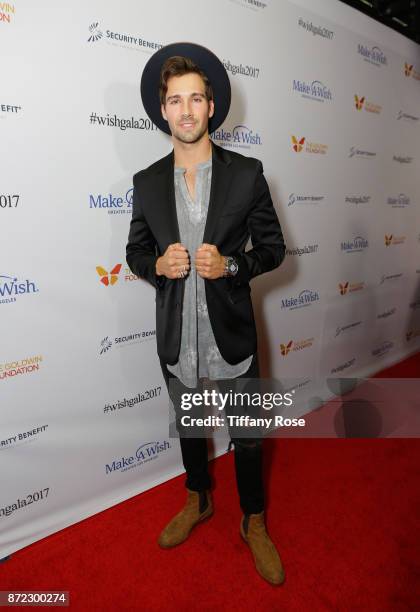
343	513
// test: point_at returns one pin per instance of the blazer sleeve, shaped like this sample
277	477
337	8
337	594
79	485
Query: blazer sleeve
268	246
141	249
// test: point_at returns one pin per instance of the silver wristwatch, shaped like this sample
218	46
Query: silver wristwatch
231	266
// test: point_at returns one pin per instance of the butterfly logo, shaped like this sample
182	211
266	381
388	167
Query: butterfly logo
359	102
109	278
298	144
285	348
388	239
408	68
343	287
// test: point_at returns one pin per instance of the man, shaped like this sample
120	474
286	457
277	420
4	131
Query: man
193	213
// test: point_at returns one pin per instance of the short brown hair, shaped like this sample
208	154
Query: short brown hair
177	65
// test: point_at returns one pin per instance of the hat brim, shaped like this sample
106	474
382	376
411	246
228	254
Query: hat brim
209	64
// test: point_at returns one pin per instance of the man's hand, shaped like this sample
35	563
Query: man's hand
209	262
174	263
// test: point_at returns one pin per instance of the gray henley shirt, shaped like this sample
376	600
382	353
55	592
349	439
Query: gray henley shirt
199	356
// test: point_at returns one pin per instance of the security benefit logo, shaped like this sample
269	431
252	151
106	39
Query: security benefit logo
9	110
143	335
97	34
358	153
307	199
150	451
12	288
22	437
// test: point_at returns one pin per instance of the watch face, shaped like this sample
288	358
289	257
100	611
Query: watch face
233	267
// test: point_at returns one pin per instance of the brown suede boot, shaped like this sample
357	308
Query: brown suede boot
266	557
198	507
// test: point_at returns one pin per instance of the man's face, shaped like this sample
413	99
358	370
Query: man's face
187	109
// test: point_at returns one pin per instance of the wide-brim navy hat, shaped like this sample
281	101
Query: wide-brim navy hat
209	64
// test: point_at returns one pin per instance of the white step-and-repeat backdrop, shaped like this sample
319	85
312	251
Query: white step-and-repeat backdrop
328	100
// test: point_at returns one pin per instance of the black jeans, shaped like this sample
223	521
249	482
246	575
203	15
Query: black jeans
248	455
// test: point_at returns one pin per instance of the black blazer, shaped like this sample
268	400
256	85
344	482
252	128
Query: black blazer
240	206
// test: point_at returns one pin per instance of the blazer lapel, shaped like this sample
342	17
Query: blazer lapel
165	208
220	181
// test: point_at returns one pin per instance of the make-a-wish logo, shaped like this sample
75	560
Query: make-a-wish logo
304	199
315	90
145	453
307	297
11	288
373	55
399	201
95	32
295	345
301	144
109	278
410	71
361	103
356	245
361	153
240	136
114	205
